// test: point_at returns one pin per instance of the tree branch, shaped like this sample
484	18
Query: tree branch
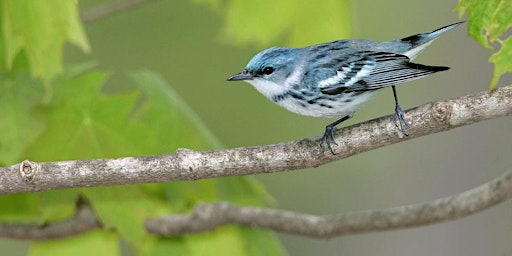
187	164
209	216
192	165
84	221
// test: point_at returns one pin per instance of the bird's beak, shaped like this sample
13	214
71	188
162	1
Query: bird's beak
244	75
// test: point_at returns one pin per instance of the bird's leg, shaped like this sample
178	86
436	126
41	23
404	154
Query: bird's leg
399	114
328	137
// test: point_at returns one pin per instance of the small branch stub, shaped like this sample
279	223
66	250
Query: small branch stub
28	171
442	112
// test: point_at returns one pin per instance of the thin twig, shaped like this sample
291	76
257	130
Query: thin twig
84	221
104	10
209	216
187	164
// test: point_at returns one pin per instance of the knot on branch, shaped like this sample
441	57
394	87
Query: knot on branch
28	171
442	111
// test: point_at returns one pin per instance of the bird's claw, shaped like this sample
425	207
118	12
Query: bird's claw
400	118
328	138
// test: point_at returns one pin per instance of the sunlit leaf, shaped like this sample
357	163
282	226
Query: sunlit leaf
56	205
124	210
261	242
487	22
225	241
39	29
18	126
168	116
81	122
502	61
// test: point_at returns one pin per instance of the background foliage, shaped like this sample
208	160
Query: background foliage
488	21
122	98
57	112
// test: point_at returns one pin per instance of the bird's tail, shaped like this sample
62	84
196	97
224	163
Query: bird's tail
411	46
436	33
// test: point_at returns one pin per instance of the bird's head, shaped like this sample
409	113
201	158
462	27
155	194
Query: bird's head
273	65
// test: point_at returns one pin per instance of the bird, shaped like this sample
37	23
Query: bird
334	79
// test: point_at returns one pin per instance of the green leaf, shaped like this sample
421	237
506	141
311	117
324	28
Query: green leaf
124	210
81	122
243	191
502	61
261	242
19	208
487	22
56	205
18	125
39	29
223	241
97	243
168	116
170	246
184	195
301	23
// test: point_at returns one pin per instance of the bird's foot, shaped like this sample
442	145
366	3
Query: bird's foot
400	118
328	137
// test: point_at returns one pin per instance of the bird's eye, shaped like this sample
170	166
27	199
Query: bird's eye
268	70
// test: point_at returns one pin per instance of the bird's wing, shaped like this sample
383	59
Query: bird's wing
366	70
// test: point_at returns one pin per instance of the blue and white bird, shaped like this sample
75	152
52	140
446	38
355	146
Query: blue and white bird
334	79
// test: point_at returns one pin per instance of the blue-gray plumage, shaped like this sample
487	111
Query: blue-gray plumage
334	79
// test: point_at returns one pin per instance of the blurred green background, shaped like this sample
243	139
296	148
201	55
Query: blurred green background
182	41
